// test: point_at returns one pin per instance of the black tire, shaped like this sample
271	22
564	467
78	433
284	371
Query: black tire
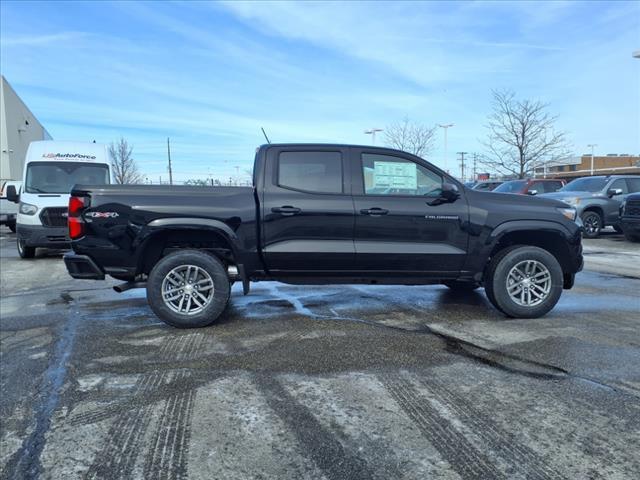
593	224
216	304
497	276
618	228
459	286
12	226
23	250
632	237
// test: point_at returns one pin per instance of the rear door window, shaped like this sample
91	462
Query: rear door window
316	172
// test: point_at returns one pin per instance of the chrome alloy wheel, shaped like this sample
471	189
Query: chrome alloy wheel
187	289
529	283
592	224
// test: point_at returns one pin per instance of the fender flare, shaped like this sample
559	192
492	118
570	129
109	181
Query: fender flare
188	223
520	225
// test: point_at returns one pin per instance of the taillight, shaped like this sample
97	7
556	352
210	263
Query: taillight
74	220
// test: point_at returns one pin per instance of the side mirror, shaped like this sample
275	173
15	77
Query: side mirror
12	194
532	192
450	192
612	192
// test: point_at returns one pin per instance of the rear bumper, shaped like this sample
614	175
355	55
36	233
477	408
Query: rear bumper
82	267
45	237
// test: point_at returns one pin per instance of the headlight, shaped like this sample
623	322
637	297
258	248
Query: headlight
570	213
572	201
28	209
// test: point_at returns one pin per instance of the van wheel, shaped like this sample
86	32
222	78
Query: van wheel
12	226
188	289
592	224
524	281
24	251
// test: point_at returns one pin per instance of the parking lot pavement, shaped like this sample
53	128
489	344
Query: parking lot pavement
327	382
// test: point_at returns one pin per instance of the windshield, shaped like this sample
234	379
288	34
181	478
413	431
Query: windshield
593	184
59	177
511	187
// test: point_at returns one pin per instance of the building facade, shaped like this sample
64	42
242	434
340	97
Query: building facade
582	166
18	128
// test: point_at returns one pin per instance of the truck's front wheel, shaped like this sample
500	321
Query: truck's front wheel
524	281
188	289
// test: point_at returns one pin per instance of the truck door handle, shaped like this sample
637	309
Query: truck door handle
287	210
374	212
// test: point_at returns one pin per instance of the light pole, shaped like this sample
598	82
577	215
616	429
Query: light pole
372	132
592	145
446	127
462	154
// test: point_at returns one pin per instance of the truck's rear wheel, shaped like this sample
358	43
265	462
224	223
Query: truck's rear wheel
23	250
524	282
188	289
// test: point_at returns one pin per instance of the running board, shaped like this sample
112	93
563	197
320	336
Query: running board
123	287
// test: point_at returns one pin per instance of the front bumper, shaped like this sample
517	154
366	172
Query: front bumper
630	224
45	237
82	267
7	218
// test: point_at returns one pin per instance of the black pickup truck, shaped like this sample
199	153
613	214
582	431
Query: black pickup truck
323	214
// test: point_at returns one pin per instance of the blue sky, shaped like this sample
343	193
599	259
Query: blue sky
209	75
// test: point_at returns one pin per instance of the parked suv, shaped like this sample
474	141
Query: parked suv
630	217
486	185
531	186
597	200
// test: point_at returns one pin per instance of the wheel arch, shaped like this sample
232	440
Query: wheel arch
550	236
166	235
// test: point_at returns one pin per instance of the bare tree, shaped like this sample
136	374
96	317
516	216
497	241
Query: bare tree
521	136
410	137
124	166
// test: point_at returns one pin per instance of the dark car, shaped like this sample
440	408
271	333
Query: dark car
323	214
530	186
487	185
630	217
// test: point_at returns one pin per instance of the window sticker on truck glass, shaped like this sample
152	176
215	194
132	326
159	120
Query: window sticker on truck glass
395	175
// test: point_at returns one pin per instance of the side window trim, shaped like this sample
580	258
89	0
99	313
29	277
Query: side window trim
276	172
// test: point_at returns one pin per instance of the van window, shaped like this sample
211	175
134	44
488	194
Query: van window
319	172
60	177
389	175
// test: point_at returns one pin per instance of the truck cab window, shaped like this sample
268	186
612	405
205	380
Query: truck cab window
319	172
389	175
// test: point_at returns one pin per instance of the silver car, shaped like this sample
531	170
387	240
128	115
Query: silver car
597	199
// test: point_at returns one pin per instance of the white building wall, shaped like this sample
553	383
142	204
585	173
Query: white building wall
18	127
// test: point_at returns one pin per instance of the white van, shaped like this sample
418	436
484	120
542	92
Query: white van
51	169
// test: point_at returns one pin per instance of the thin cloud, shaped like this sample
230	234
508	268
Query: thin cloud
35	40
